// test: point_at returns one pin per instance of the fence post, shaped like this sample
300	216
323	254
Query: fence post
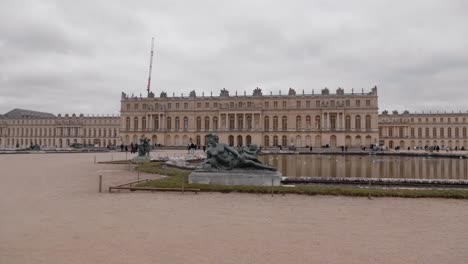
369	196
271	185
183	183
100	183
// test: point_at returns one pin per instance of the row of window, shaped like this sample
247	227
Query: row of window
427	120
249	123
428	132
266	105
57	143
54	121
52	132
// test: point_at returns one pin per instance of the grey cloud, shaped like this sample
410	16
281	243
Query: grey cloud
64	56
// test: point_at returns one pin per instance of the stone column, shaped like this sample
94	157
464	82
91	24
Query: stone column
325	121
340	118
235	121
245	122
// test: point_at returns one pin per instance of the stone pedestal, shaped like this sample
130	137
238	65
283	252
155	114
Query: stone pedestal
140	159
236	177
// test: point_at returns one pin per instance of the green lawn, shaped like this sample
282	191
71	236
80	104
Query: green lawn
176	176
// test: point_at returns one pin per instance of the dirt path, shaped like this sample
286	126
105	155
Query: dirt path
51	212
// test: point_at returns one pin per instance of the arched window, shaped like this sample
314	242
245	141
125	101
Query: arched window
266	141
249	123
215	123
318	122
248	140
284	123
449	132
207	123
358	122
177	123
143	123
284	141
347	122
275	123
240	122
298	122
239	141
169	123
198	123
457	132
185	123
135	123
156	122
275	141
308	121
266	123
464	132
333	122
127	124
368	122
231	122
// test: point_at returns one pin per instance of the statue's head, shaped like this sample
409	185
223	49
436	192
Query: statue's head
253	147
212	138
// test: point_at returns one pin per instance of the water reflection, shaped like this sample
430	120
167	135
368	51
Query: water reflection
368	166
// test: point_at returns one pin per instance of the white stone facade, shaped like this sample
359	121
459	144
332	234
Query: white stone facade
339	119
446	130
301	120
58	131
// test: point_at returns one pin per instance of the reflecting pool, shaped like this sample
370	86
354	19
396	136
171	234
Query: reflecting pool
370	166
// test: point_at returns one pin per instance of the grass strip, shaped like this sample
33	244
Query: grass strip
176	176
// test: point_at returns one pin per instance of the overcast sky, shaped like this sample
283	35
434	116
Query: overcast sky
78	56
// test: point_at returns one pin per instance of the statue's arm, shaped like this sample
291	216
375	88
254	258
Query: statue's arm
233	151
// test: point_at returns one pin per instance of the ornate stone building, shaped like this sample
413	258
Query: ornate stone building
24	128
446	130
268	120
339	119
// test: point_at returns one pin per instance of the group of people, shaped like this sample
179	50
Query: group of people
133	148
192	147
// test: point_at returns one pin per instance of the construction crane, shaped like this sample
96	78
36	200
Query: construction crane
150	66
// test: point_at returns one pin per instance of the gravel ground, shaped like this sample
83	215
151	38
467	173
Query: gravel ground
51	212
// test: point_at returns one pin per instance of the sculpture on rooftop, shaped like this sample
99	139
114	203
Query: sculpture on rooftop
224	92
257	92
291	91
193	94
163	95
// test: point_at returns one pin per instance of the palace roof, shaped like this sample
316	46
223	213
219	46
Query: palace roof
23	113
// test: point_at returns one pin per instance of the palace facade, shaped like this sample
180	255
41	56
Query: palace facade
303	120
268	120
23	128
446	130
